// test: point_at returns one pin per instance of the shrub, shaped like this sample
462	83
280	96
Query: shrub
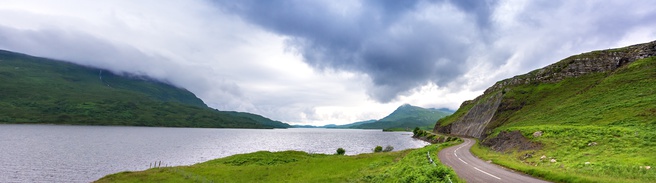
378	149
341	151
416	132
388	148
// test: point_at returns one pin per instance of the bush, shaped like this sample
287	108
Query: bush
416	132
378	149
388	148
341	151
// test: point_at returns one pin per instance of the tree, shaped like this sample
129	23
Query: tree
416	132
341	151
378	149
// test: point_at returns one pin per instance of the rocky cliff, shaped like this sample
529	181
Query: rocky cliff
577	65
477	117
474	122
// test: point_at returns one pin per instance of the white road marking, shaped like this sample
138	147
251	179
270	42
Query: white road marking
463	161
487	173
467	143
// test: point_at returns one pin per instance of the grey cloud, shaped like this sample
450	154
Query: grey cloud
85	49
394	47
583	26
398	49
80	48
481	9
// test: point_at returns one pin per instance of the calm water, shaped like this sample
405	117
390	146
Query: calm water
50	153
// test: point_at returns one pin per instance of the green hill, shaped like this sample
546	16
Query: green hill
587	118
406	117
39	90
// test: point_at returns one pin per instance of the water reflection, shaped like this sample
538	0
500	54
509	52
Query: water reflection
51	153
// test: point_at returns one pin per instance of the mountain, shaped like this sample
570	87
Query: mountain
40	90
335	126
406	117
447	110
350	125
594	114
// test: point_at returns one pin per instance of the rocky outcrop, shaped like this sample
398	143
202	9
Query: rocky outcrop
577	65
477	118
481	117
507	141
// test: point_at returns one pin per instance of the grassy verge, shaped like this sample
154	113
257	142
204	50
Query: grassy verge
431	137
293	166
582	154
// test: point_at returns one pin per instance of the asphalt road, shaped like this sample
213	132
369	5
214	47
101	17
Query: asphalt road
475	170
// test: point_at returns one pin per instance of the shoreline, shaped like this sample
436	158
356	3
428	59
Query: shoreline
298	166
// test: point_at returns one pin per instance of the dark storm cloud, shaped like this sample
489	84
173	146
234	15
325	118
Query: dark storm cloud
393	42
481	9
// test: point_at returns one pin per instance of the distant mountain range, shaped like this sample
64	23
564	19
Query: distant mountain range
40	90
405	117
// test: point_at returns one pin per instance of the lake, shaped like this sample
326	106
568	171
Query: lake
55	153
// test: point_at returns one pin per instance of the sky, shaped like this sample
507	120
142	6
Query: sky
317	62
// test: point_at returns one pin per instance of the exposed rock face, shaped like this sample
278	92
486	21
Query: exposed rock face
506	141
577	65
481	117
477	118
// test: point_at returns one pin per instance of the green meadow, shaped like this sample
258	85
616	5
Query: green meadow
293	166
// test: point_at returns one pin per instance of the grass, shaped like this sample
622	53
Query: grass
294	166
38	90
598	127
616	157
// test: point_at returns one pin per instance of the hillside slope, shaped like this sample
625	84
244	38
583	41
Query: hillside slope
345	125
39	90
594	114
406	117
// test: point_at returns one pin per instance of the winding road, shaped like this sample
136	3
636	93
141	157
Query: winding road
473	169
